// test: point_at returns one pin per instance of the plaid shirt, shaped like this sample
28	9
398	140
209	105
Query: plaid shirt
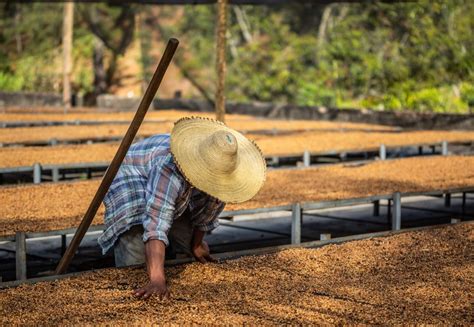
149	190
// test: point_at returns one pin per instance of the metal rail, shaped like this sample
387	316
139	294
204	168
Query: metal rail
55	172
72	122
325	240
297	212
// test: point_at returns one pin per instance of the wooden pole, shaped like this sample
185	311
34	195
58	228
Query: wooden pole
220	58
67	53
121	152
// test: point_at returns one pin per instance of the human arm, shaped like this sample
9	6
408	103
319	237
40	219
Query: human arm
199	247
205	220
163	189
155	259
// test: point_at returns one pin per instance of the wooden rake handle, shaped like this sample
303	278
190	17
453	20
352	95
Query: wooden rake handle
121	152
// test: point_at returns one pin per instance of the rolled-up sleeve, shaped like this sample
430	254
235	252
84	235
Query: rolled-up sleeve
207	219
163	189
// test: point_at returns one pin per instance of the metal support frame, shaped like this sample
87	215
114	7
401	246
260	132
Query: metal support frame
382	152
272	160
444	148
36	173
296	214
463	205
55	174
447	200
20	255
237	254
306	158
325	237
63	243
397	211
389	211
376	208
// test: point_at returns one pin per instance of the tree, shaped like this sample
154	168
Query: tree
113	26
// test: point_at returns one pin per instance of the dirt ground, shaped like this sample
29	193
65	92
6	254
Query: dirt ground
32	208
316	142
413	278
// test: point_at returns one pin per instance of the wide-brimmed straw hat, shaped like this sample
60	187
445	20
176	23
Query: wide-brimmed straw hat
217	160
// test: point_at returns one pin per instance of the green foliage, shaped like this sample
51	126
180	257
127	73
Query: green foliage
310	94
425	100
10	82
467	94
388	56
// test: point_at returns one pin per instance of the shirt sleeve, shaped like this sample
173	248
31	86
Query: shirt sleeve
207	219
163	189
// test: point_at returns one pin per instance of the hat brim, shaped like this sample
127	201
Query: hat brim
240	185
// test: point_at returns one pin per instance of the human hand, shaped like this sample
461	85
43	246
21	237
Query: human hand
154	287
201	253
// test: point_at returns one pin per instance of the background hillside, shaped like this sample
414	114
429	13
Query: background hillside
414	55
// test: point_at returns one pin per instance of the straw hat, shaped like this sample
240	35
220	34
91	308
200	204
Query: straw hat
217	160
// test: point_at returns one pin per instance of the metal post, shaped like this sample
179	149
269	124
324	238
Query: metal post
275	160
55	174
383	152
296	223
389	211
37	173
306	158
397	211
324	237
20	253
444	148
463	205
447	200
376	208
63	243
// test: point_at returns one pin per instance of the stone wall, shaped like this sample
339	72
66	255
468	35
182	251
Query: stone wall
30	99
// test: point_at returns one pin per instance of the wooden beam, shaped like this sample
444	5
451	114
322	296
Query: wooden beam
220	58
67	53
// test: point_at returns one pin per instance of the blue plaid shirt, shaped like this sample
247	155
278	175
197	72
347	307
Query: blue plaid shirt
149	190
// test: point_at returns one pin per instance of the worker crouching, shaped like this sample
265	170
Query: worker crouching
170	190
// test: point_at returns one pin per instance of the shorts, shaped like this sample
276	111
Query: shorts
129	249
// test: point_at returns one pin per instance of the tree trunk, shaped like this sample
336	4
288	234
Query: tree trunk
67	53
323	25
19	43
220	58
244	28
100	83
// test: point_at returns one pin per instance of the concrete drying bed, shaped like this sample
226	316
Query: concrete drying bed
321	142
107	116
423	277
35	208
271	145
176	114
73	132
